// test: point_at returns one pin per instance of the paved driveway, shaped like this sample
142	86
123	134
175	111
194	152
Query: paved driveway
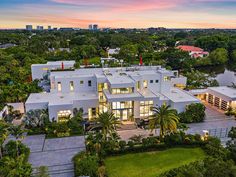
55	153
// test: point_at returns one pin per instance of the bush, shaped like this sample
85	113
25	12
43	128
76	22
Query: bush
173	139
130	144
86	165
10	150
15	167
194	113
215	149
122	145
150	141
58	130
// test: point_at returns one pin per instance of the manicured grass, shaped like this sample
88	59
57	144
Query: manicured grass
151	164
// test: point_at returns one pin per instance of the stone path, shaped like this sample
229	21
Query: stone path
56	153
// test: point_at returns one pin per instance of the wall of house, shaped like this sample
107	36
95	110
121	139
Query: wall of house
32	106
78	87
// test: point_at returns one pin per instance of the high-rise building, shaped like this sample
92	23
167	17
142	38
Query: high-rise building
49	27
93	27
29	27
40	28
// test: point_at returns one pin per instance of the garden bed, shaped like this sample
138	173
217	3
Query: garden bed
151	164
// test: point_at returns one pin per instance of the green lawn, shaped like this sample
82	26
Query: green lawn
151	164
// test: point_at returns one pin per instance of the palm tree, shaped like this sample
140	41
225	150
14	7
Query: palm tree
165	117
18	132
108	124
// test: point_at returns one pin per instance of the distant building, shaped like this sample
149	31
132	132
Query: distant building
49	27
8	45
40	70
113	51
39	28
29	27
194	52
66	29
93	27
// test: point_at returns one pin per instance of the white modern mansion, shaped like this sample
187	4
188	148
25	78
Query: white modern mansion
128	92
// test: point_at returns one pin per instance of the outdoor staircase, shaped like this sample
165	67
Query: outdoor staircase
127	126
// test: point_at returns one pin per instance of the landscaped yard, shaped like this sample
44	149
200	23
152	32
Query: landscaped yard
151	164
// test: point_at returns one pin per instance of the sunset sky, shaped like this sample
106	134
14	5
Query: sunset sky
119	13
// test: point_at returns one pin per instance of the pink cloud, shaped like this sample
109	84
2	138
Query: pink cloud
123	5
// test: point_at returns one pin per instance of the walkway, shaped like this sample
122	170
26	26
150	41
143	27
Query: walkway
216	122
56	153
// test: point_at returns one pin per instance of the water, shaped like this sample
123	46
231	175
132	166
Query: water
225	75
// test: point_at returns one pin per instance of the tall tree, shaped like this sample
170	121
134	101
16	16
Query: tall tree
164	117
108	124
18	132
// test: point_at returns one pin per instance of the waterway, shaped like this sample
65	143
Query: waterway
225	75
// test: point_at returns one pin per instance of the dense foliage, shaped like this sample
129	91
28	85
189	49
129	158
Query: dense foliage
156	47
194	112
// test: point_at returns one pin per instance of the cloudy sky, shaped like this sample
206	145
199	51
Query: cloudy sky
119	13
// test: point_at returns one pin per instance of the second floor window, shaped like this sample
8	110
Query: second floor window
71	86
89	83
59	86
145	83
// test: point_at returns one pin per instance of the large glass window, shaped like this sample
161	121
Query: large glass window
138	85
59	86
92	113
146	108
123	110
166	78
122	90
145	83
64	115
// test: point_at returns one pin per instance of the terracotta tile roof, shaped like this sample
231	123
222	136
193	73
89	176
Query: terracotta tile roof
188	48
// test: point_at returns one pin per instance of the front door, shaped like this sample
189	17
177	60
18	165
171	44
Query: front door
124	115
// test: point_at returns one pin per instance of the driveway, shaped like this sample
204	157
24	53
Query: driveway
56	153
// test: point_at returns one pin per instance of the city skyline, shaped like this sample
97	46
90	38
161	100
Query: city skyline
119	14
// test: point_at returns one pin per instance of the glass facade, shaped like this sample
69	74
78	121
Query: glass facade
101	97
64	115
123	110
92	113
146	108
122	90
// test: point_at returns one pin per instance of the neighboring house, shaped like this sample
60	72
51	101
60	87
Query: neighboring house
40	70
220	97
128	92
194	52
60	49
15	107
113	52
8	45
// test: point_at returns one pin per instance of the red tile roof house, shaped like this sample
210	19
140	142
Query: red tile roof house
194	52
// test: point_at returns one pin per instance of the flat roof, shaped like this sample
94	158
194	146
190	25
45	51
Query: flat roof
176	95
224	90
105	72
52	63
60	98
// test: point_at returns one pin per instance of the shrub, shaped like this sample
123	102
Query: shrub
150	141
194	113
136	139
215	149
130	144
122	145
10	150
173	139
86	165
